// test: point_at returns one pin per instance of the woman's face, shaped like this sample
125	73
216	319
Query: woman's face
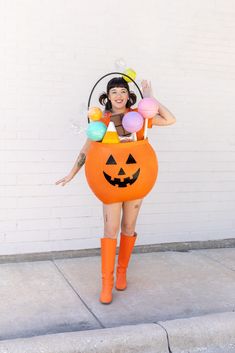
118	97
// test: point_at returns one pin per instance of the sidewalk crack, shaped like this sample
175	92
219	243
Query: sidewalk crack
217	261
167	337
77	294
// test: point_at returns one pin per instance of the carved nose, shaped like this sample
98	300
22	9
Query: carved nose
121	172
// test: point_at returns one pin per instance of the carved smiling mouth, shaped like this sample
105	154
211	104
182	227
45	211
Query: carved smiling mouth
125	182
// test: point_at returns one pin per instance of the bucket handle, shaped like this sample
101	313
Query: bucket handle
111	73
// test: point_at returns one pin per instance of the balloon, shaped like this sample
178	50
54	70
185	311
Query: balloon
95	113
77	127
120	64
130	72
96	130
132	122
148	107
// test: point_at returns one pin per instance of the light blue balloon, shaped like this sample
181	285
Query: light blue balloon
96	130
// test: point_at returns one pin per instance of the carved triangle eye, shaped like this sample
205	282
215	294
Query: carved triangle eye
111	160
130	160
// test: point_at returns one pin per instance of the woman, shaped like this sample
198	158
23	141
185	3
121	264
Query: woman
118	100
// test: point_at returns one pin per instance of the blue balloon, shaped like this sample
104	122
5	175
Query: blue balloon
96	130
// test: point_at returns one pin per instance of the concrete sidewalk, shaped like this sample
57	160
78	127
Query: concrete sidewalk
175	302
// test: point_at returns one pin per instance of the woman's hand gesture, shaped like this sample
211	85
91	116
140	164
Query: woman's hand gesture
146	88
64	180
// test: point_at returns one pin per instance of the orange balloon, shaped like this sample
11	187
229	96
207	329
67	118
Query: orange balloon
121	172
95	113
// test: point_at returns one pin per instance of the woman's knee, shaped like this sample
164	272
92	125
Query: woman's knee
110	232
128	228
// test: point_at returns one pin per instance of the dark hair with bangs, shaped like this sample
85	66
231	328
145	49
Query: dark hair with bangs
117	82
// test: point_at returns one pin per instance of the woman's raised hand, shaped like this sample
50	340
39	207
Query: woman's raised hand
146	88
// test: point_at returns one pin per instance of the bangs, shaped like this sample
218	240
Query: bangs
117	82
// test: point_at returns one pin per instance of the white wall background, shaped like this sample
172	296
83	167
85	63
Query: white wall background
51	54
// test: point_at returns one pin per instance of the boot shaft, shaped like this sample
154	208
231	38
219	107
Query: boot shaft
108	253
125	249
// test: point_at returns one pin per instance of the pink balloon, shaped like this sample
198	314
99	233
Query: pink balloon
132	122
148	107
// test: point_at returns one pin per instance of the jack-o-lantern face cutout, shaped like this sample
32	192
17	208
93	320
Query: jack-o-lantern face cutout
124	181
121	171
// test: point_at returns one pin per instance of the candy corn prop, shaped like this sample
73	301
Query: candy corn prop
111	135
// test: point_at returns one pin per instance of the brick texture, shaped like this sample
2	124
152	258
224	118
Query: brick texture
51	54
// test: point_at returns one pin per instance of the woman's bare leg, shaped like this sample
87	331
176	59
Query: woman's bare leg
129	217
127	240
112	215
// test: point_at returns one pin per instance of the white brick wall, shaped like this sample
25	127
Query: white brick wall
51	54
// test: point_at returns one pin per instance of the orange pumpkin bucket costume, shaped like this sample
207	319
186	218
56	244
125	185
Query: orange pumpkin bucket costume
119	172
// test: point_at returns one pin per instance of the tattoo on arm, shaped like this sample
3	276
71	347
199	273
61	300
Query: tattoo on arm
81	159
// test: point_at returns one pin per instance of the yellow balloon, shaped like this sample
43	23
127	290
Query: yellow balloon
130	72
95	113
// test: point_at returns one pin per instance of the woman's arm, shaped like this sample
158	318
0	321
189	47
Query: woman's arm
81	158
77	165
164	117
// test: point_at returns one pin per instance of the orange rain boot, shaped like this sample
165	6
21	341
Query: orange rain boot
108	252
126	246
